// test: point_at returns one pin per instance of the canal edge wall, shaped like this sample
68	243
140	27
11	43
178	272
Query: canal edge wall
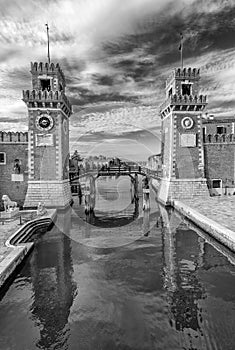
18	252
219	232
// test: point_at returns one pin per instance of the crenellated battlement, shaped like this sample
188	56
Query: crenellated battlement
184	73
47	99
13	137
184	103
219	138
45	68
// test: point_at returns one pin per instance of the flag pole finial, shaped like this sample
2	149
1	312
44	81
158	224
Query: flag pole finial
48	44
181	50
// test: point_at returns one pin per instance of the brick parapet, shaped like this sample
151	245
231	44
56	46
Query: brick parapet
190	102
13	137
219	138
45	68
185	73
44	98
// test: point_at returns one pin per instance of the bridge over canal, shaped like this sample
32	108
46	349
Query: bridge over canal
122	170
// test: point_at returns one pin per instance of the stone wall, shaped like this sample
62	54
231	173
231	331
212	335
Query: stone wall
170	190
54	194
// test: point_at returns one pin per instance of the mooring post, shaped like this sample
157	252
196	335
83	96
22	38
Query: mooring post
136	194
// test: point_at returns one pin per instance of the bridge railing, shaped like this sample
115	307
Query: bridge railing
152	173
114	170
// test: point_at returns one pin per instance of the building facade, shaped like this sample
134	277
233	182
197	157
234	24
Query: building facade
14	165
197	153
219	154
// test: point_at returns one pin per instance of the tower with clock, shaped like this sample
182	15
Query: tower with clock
48	115
182	139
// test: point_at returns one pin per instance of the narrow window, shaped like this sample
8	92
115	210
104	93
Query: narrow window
216	183
221	130
204	133
2	158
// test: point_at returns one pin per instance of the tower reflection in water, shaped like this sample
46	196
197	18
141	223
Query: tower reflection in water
187	258
181	264
54	289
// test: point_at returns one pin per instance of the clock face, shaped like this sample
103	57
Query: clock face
187	122
44	122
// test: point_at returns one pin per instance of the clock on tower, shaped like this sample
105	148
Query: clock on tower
48	112
181	129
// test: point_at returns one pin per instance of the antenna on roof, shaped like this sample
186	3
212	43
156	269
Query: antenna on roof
48	44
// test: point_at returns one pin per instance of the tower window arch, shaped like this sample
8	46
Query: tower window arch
45	84
186	89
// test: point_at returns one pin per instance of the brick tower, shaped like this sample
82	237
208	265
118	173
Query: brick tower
49	111
182	147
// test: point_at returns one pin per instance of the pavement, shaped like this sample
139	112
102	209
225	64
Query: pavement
214	215
221	209
12	230
8	228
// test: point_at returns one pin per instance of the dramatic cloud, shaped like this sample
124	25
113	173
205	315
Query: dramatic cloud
116	56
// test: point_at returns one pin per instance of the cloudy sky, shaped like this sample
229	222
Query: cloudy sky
116	55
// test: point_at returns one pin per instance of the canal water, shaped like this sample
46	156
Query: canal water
121	279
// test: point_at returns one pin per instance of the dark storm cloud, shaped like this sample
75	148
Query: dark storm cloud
105	80
202	32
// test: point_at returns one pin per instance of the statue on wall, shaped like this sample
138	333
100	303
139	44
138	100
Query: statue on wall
9	205
17	164
41	210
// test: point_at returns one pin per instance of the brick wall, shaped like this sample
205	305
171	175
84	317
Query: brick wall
15	190
65	148
211	125
187	158
44	156
220	162
166	145
44	165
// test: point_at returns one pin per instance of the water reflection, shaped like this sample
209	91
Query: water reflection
122	218
53	286
185	256
166	288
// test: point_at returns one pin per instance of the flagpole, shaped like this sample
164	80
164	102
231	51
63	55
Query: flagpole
48	44
181	51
